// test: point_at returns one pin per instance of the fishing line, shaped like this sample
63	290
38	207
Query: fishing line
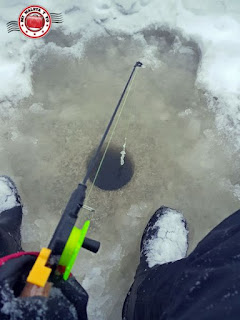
67	239
123	152
94	159
114	128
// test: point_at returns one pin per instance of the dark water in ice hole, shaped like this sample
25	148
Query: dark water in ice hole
112	174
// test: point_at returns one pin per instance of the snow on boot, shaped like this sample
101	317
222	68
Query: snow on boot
10	217
165	239
9	197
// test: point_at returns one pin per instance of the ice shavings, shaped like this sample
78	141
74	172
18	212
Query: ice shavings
37	108
96	282
149	52
234	188
185	113
170	242
236	191
137	210
8	199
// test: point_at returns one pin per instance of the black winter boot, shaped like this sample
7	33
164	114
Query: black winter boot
10	217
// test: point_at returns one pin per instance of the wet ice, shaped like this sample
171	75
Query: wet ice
179	157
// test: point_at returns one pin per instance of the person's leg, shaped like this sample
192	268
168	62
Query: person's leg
205	285
10	217
165	239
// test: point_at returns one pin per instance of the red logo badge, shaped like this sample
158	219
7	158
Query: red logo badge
34	21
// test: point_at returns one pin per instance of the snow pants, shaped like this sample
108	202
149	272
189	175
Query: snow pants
205	285
10	237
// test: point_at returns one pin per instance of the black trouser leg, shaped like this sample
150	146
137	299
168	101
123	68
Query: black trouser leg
205	285
10	235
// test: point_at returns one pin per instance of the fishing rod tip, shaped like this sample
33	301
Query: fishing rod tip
138	64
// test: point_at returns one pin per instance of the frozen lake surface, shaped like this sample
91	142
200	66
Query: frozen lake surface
178	156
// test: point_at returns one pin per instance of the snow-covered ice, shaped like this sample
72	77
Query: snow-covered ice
213	25
57	94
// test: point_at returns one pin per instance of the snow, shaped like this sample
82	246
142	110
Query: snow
8	199
170	243
234	188
37	108
214	25
185	113
49	123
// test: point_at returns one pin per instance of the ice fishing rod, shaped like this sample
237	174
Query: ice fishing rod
67	239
